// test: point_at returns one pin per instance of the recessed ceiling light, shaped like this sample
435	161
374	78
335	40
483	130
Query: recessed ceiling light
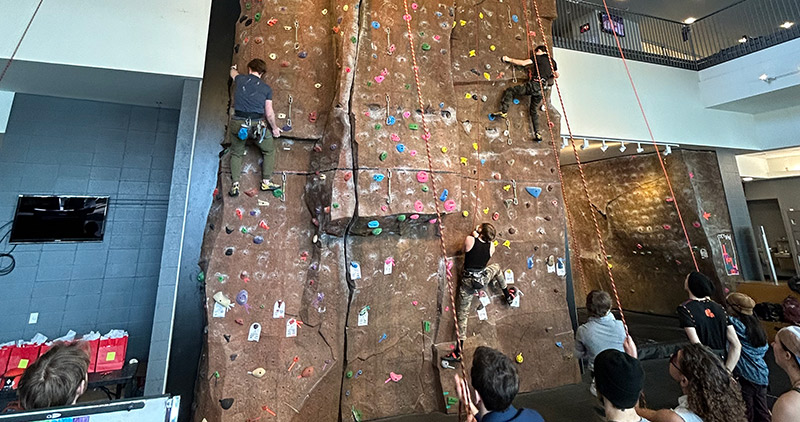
689	20
787	25
763	77
747	179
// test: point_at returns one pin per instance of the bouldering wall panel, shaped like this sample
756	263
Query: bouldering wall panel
641	230
352	248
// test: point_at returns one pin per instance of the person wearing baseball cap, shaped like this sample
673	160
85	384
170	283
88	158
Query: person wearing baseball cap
787	349
619	379
751	370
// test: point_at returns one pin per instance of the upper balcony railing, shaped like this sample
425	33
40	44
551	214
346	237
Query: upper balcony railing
737	30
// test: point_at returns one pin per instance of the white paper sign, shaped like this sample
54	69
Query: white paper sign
279	310
551	269
219	311
482	314
291	328
561	268
363	318
509	276
255	332
355	271
387	266
484	298
515	302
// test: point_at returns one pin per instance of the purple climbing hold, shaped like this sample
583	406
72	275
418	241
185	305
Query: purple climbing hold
258	240
241	298
302	55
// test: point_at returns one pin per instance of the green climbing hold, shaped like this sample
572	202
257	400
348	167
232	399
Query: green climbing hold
277	193
262	307
377	231
216	374
201	277
452	400
353	39
349	374
413	126
424	188
244	230
383	156
427	326
257	17
247	6
408	86
378	126
401	217
421	34
335	205
426	46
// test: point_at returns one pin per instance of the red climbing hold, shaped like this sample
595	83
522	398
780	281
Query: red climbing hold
348	176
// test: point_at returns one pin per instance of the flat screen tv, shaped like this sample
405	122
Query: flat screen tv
614	24
41	219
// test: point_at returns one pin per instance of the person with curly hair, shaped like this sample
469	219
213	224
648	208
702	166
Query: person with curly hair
710	392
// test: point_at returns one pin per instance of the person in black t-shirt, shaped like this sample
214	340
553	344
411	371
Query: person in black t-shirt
540	71
706	322
252	103
478	249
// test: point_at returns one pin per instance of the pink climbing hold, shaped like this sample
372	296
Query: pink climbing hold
395	137
406	114
437	37
414	302
384	208
426	136
347	69
379	78
384	72
422	177
413	216
407	17
418	207
414	6
413	152
449	205
433	221
696	224
667	227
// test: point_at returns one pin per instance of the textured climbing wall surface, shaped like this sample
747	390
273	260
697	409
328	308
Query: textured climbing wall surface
641	230
360	197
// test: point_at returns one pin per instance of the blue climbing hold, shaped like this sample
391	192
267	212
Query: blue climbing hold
530	262
534	191
375	24
401	147
491	117
258	240
378	177
443	196
483	161
243	133
516	101
515	18
558	343
391	120
373	224
441	105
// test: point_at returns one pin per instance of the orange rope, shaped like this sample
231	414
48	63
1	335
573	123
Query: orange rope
652	138
426	136
582	174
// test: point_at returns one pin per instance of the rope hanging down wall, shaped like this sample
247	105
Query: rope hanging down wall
24	33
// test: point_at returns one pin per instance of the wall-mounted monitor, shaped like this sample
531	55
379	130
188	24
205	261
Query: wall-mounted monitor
612	24
41	219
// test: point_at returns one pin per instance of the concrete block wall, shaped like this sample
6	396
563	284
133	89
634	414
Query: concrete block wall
73	147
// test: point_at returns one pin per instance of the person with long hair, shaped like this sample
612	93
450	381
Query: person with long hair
751	371
710	394
786	348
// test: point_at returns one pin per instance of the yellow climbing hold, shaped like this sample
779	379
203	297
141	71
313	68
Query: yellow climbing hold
444	149
506	187
345	7
507	244
324	12
486	210
462	22
480	15
464	161
495	243
475	146
610	266
492	47
472	53
465	213
467	95
487	76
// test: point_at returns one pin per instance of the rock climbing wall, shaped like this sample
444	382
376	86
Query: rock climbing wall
352	246
641	230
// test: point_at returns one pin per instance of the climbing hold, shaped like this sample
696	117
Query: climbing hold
667	227
507	244
496	216
307	372
258	372
348	176
375	24
492	47
530	262
407	114
426	46
383	156
377	231
345	7
273	56
472	53
302	55
353	39
418	206
487	76
391	120
378	126
444	150
515	18
422	177
424	188
533	191
258	240
696	224
407	17
277	193
395	137
401	217
349	374
226	403
519	358
373	224
400	147
413	126
414	6
464	161
449	205
379	78
229	251
378	177
324	12
443	196
465	213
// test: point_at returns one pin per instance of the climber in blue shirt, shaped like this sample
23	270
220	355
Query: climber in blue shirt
496	383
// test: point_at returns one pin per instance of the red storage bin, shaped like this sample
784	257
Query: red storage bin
111	354
5	354
93	346
21	358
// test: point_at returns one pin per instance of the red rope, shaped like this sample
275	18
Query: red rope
652	138
11	59
582	174
426	137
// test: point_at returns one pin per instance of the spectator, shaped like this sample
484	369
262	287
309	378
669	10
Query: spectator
751	371
710	394
705	321
496	384
786	348
601	332
619	380
57	378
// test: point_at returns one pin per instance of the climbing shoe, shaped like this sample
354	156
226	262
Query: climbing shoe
234	189
509	294
269	186
498	114
537	137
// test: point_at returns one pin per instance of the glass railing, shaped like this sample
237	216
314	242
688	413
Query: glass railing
737	30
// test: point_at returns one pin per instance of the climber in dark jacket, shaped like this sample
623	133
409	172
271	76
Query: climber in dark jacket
496	383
